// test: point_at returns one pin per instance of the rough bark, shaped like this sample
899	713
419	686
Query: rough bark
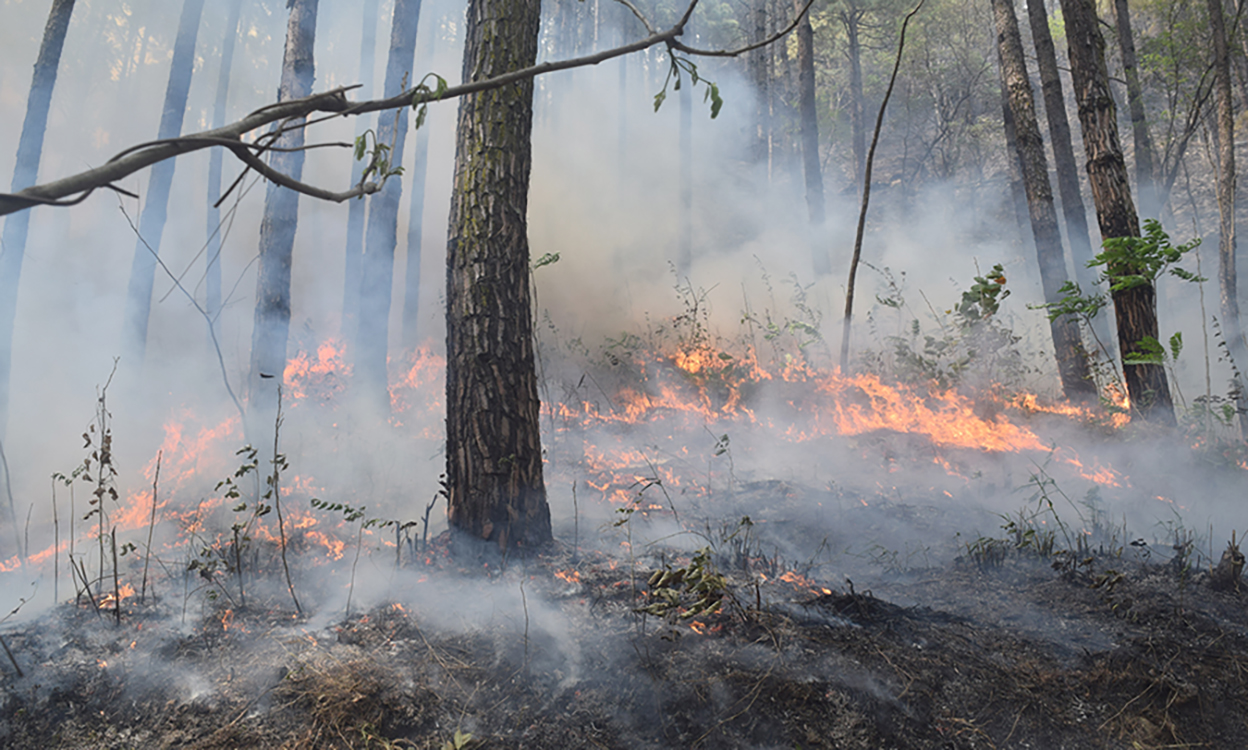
1014	170
271	326
1145	159
494	455
1227	283
156	204
25	172
1072	365
416	213
357	210
810	135
212	277
851	18
377	268
1135	310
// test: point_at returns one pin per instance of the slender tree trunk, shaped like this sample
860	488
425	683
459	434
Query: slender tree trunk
684	252
851	17
1135	310
271	326
155	208
357	209
416	214
1145	170
1226	206
212	278
1063	152
25	172
377	269
810	136
760	70
1071	363
1018	191
493	444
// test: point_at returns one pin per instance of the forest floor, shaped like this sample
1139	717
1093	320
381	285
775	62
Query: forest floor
999	647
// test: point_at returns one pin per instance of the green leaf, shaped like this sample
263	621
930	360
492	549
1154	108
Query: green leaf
546	260
658	99
1176	345
360	146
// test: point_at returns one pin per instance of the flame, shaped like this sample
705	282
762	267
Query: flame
323	374
571	576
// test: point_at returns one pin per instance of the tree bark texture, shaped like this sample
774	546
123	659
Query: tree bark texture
1071	363
810	135
1145	160
156	205
377	268
25	172
1227	282
1018	191
357	210
760	69
271	326
494	454
1135	310
212	276
416	212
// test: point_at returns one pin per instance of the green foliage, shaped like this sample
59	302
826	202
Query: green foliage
458	741
983	299
686	592
674	77
1132	262
546	260
378	158
421	96
1151	352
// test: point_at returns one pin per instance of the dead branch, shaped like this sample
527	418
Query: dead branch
76	188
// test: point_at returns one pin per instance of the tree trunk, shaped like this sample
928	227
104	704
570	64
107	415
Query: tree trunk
684	250
212	277
377	269
357	209
1018	191
155	207
1135	310
851	17
810	136
416	214
1063	152
760	69
271	325
1071	363
1145	171
25	172
1226	206
493	454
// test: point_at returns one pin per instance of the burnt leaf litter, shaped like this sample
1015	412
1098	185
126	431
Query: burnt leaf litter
1115	649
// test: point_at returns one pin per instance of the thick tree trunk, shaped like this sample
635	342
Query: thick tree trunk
1134	310
377	269
212	277
357	209
810	136
271	327
1014	170
851	17
155	207
25	172
1227	284
1072	365
1145	171
494	452
416	214
760	70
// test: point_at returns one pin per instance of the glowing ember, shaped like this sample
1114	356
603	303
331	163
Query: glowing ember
571	576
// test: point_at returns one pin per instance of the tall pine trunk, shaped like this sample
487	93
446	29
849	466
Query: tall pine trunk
377	268
493	444
357	209
760	71
212	278
1072	365
810	136
156	204
1135	310
25	173
416	213
1227	283
271	323
1145	171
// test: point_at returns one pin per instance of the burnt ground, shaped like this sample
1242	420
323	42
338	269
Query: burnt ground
997	649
